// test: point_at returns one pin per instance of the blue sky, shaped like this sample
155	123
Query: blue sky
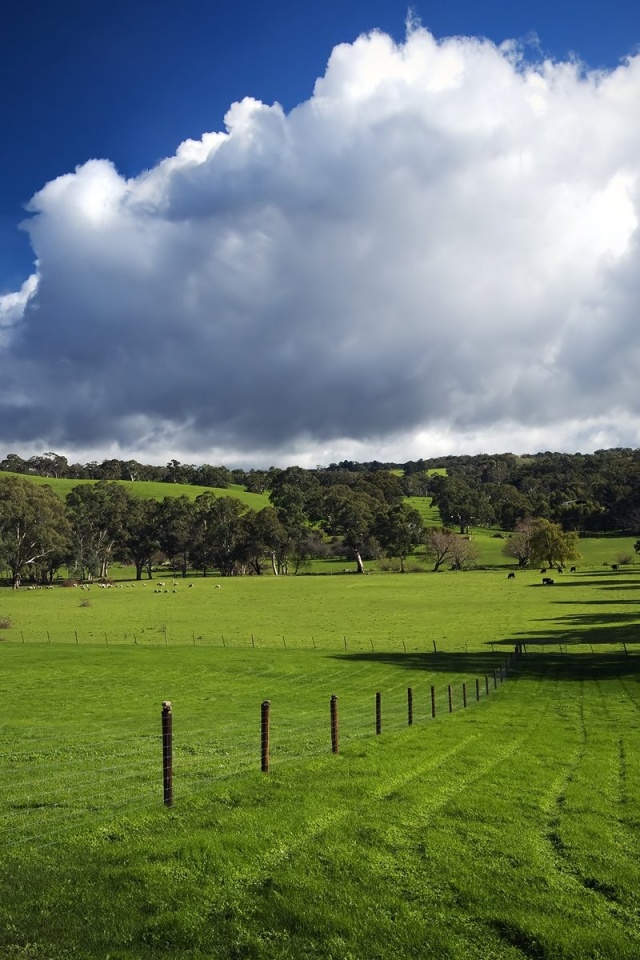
430	246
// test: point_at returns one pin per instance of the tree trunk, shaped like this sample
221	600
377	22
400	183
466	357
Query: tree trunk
359	563
273	564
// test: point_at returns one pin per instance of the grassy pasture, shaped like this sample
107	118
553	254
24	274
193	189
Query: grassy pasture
457	610
506	830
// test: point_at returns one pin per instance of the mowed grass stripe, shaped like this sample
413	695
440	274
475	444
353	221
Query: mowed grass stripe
429	842
97	729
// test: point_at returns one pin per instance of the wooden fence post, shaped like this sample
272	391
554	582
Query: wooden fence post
409	706
378	713
334	724
433	702
495	680
464	695
486	683
477	689
264	735
450	699
167	753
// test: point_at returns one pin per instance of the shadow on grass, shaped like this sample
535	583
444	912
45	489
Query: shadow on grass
474	663
600	629
541	660
591	603
573	581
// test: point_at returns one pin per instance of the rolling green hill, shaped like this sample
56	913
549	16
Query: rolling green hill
151	490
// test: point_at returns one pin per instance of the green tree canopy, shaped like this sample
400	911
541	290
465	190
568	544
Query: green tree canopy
33	527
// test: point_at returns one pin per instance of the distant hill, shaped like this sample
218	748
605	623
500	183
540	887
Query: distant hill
150	490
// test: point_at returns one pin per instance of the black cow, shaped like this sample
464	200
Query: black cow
547	582
511	576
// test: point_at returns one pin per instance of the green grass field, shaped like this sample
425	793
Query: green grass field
508	829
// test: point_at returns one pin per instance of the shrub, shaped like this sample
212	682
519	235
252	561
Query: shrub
623	559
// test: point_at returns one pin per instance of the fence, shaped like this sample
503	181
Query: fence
497	676
51	785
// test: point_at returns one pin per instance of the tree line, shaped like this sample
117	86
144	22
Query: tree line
350	510
103	523
588	493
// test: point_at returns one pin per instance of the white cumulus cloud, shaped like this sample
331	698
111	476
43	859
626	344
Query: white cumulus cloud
437	251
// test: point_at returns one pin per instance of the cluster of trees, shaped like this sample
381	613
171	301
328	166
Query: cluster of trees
103	522
348	509
585	492
593	493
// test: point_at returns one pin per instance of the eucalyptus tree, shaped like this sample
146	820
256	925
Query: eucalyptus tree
220	534
176	520
460	502
399	530
34	529
351	515
140	540
267	536
98	513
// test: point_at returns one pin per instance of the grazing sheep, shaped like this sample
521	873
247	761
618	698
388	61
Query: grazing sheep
547	582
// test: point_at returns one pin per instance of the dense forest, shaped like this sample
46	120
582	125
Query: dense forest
582	492
352	510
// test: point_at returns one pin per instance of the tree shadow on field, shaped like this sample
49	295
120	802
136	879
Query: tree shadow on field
479	663
601	628
540	662
573	581
595	603
543	659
